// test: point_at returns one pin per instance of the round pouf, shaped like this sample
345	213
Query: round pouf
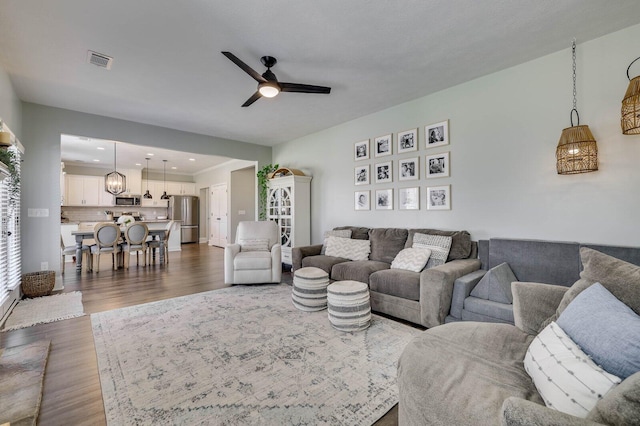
348	305
310	289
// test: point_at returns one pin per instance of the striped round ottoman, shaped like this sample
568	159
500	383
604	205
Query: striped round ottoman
348	305
310	289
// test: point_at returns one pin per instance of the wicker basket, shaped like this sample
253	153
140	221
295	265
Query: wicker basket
36	284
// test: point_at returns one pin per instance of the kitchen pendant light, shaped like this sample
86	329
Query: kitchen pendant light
147	195
630	120
577	151
164	175
115	183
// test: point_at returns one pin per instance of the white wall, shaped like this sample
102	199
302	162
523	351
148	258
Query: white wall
504	129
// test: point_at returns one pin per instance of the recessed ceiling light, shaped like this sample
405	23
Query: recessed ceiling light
150	154
174	167
101	148
97	161
138	164
192	159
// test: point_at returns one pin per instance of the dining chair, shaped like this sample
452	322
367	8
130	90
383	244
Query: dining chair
106	235
71	251
154	244
135	239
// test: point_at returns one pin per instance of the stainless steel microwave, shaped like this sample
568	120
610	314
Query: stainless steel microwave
128	200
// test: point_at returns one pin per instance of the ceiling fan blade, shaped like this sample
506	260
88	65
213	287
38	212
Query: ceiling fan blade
304	88
246	68
252	99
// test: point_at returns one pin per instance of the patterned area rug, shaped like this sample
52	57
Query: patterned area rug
243	355
41	310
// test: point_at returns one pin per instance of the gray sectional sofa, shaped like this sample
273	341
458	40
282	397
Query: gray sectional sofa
538	261
419	297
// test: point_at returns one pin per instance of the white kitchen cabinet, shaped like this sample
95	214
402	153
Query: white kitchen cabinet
289	205
181	188
156	189
86	191
134	181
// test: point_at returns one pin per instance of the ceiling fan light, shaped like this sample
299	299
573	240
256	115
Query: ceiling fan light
268	89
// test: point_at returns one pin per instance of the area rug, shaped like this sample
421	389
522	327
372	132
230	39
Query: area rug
243	356
21	378
45	309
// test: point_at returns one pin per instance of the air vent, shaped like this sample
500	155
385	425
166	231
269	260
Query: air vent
100	60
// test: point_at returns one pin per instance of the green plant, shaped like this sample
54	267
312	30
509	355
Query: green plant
11	160
263	178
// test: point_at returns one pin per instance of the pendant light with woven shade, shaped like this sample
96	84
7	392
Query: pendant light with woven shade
577	151
630	120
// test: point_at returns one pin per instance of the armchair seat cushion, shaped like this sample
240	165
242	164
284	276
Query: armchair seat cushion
252	260
471	366
357	270
396	282
322	261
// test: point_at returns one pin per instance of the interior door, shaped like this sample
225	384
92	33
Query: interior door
218	215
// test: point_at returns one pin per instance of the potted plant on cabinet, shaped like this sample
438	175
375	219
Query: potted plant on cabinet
263	178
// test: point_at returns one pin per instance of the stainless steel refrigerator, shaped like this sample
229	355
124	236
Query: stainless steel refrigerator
185	208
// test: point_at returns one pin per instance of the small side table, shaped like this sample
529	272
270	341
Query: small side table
348	305
310	289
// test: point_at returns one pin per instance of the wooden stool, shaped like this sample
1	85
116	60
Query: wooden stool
348	305
310	289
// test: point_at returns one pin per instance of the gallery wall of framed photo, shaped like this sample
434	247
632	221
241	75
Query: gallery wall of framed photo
401	157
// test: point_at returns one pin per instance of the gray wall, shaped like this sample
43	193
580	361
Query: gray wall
504	129
42	127
10	105
243	197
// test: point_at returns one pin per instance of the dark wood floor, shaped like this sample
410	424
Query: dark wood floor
72	394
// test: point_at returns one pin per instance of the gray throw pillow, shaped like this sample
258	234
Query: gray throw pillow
605	329
496	285
439	246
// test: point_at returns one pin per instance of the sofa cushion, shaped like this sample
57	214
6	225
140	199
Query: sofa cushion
461	373
342	233
323	262
496	285
566	378
251	260
461	244
605	328
411	259
358	270
386	243
488	308
357	232
348	248
622	279
621	406
396	282
438	244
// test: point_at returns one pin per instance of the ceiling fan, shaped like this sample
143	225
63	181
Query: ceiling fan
268	84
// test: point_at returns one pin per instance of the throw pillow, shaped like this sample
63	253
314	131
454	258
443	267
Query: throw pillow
342	233
411	259
566	378
496	284
461	245
348	248
257	244
438	244
606	329
386	243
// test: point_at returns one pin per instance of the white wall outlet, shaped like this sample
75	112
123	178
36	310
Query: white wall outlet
44	266
242	212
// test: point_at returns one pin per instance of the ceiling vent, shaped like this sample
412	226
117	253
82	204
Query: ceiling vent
100	60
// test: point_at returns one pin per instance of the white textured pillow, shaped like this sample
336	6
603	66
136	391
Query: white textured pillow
342	233
566	378
348	248
411	259
257	244
438	244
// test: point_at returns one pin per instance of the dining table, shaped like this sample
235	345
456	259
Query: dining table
81	235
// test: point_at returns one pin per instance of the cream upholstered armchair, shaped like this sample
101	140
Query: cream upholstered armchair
255	256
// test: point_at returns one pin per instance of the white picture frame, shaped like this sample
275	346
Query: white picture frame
384	199
407	141
437	134
384	172
362	200
383	145
409	168
409	198
361	150
437	165
362	175
439	197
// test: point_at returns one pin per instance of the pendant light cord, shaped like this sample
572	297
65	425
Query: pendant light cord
575	91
